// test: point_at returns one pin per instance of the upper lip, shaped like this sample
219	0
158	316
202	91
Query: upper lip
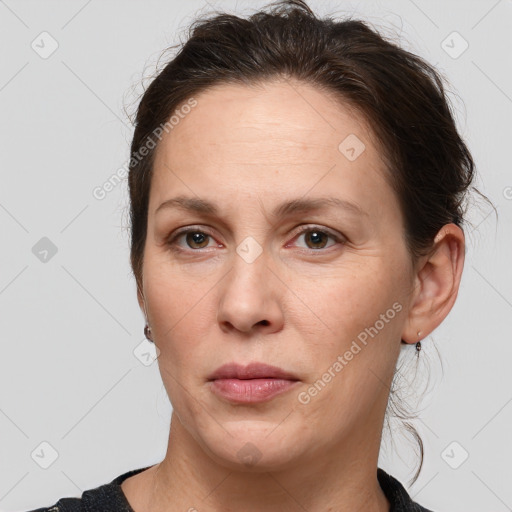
254	370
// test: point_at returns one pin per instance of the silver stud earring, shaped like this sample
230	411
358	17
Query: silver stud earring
147	332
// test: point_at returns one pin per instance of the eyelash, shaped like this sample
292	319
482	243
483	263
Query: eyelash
172	240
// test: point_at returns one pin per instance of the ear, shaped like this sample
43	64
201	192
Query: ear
140	300
436	284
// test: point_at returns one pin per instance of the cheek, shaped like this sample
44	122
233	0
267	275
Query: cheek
343	404
352	362
356	338
181	326
352	301
180	313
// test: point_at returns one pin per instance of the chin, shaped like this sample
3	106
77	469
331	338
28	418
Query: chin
254	446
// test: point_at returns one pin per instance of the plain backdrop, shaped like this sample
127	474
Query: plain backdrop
81	400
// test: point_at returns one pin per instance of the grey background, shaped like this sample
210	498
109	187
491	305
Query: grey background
70	325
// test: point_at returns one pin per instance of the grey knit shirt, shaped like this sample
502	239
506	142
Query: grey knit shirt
111	498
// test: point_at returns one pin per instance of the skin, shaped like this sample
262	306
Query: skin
298	305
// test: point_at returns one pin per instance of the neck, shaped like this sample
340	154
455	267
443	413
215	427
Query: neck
344	480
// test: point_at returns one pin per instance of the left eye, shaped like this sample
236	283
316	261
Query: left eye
317	237
313	235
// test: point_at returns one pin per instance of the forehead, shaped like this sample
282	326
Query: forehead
271	137
281	114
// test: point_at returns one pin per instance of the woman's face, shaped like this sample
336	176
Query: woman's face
321	292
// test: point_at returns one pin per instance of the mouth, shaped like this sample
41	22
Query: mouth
251	371
254	383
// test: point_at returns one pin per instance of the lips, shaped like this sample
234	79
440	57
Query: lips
251	371
251	384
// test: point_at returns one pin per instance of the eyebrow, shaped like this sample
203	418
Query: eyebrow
202	206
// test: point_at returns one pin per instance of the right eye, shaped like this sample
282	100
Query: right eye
192	236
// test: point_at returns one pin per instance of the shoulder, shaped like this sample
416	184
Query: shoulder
103	498
63	505
397	495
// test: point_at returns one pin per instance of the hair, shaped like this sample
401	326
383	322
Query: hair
401	96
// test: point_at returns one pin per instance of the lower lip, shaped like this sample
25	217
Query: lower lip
251	390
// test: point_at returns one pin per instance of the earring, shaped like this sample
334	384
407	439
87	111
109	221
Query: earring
418	344
147	332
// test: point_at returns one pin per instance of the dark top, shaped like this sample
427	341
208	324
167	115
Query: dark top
111	498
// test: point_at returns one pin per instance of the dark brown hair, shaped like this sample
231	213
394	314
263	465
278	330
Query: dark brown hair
399	94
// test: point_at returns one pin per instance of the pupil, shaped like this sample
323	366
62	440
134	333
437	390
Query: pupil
197	238
316	236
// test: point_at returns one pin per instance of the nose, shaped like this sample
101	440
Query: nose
250	298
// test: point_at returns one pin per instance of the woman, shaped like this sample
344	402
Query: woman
297	194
